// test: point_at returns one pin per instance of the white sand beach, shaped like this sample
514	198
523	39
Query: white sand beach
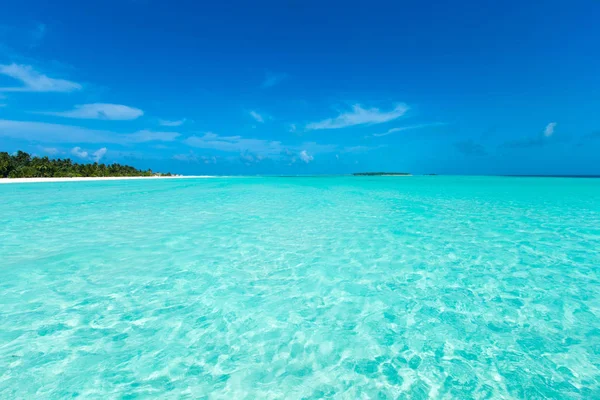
107	178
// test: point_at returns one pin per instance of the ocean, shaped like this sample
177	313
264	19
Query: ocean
301	288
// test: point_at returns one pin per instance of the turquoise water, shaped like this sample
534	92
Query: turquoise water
298	288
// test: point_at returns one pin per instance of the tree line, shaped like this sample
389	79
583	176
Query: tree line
23	165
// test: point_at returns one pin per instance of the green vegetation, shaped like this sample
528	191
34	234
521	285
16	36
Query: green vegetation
22	165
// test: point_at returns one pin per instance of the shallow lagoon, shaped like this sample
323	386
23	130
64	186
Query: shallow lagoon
347	287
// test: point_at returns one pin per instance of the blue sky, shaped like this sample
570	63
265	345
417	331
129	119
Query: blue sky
304	87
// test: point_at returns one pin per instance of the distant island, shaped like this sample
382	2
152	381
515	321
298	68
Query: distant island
23	165
381	174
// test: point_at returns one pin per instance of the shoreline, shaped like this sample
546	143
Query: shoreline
93	179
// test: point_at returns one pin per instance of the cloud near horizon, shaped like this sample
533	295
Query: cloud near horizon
57	133
50	150
98	154
79	152
192	157
211	140
34	81
359	116
259	149
304	156
83	154
105	111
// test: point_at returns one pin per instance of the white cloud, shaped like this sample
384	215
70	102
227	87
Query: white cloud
273	79
117	112
549	130
304	156
248	158
315	148
146	135
292	128
166	122
193	157
209	160
83	154
359	116
34	81
79	152
234	144
407	128
50	150
98	154
185	157
258	149
257	116
58	133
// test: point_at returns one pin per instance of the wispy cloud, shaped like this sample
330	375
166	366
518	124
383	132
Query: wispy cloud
85	155
57	133
166	122
257	117
192	157
315	148
208	159
34	81
50	150
98	111
273	79
260	149
359	116
79	152
185	157
146	135
304	156
408	128
292	128
99	154
549	130
470	148
249	158
234	144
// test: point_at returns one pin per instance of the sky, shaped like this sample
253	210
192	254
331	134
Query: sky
305	87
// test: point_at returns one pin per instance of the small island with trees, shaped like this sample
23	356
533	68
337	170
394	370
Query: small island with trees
23	165
381	174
